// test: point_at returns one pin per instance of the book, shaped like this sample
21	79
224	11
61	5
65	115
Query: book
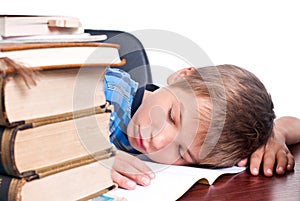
80	183
36	152
58	92
172	181
62	55
63	38
23	25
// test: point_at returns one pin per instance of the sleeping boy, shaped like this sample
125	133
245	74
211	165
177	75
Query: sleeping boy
215	116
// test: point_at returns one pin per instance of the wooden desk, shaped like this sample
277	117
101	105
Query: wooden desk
244	186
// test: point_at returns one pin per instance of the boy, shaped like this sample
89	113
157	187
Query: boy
213	116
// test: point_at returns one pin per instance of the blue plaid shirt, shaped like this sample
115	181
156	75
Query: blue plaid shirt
119	91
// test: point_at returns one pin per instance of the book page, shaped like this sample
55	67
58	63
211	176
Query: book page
172	181
84	37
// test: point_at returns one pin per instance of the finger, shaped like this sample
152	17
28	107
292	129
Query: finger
282	162
129	169
142	167
256	160
135	164
122	181
243	162
269	163
291	162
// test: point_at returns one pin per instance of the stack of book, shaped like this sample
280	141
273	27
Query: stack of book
54	119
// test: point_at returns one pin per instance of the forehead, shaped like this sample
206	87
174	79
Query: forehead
186	99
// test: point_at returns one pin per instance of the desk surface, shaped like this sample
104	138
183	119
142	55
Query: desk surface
244	186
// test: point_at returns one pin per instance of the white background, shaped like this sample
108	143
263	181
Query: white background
262	36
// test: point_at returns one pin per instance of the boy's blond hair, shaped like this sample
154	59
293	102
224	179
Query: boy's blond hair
240	117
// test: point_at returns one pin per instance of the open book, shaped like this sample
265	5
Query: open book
172	181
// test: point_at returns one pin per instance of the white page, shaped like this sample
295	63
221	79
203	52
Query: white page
85	37
171	182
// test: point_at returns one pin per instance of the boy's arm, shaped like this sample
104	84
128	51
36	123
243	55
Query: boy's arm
286	132
290	128
128	171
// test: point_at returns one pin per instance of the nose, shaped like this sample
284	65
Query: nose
160	140
159	133
162	135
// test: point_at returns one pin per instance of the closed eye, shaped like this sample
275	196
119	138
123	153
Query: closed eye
180	152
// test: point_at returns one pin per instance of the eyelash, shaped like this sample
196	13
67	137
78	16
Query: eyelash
179	153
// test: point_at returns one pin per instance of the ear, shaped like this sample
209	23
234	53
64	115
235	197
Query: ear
178	75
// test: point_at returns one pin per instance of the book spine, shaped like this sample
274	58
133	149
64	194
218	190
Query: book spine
7	159
10	188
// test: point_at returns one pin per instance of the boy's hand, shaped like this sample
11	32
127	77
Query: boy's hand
128	171
274	156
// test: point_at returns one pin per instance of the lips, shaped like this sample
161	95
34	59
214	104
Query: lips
139	140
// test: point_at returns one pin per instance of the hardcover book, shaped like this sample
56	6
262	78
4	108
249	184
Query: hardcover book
35	152
61	55
23	25
56	93
80	183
